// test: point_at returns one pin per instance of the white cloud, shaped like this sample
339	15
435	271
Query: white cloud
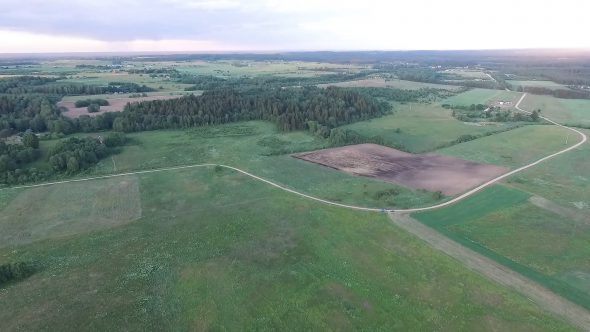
206	4
303	24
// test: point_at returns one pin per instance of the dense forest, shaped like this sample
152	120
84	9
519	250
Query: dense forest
43	85
481	112
289	109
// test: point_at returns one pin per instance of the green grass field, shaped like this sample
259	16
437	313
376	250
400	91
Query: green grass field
256	68
513	148
422	127
392	83
482	96
501	224
468	74
541	84
566	111
102	78
219	251
564	180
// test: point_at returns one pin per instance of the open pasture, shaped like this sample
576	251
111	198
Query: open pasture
513	148
501	223
435	173
422	127
574	112
217	250
537	84
394	83
257	68
483	96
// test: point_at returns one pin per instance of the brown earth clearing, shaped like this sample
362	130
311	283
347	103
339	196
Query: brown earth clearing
115	105
431	172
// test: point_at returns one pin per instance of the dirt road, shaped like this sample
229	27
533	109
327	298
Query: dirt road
540	295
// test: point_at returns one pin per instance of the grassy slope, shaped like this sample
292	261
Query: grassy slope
567	111
423	127
564	180
501	224
216	250
482	96
543	84
513	148
392	83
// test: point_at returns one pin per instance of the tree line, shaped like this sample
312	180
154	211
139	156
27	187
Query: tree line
289	109
68	156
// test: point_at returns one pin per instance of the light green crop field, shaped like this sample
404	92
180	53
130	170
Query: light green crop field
422	127
566	111
468	74
541	84
256	68
128	95
215	250
141	79
391	83
482	96
513	148
564	180
501	224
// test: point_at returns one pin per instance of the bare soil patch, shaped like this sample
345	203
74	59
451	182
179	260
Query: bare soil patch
431	172
116	105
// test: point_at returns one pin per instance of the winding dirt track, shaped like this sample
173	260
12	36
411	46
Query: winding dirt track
548	300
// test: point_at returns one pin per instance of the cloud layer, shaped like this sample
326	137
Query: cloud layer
293	25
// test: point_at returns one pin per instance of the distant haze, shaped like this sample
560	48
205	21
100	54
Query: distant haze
229	25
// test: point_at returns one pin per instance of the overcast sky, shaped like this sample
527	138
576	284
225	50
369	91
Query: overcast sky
231	25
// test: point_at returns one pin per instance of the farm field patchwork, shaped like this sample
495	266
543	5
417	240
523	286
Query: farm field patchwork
566	111
537	84
502	224
217	250
257	68
421	127
483	96
394	83
513	148
564	180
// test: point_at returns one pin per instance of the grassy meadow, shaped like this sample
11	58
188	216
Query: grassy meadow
422	127
574	112
513	148
537	84
214	250
502	224
482	96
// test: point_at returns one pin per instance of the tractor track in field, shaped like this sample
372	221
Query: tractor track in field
543	297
